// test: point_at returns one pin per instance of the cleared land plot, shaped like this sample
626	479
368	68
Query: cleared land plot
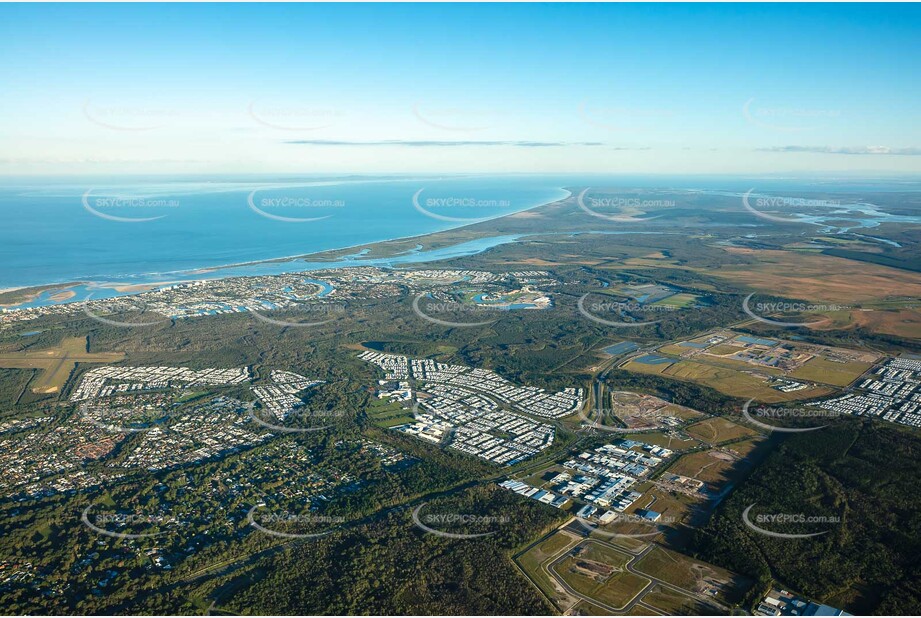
676	508
634	545
830	372
692	575
715	467
716	429
661	438
743	449
599	573
56	363
641	411
532	560
726	380
674	603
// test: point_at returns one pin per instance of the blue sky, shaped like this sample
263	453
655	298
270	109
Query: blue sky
460	88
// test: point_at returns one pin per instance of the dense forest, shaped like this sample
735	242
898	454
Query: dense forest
863	473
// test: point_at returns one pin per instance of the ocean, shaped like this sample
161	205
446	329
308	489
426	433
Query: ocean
142	232
150	230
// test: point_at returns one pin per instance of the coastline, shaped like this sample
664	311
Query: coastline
358	252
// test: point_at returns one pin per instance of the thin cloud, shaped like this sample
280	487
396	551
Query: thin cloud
440	144
855	150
